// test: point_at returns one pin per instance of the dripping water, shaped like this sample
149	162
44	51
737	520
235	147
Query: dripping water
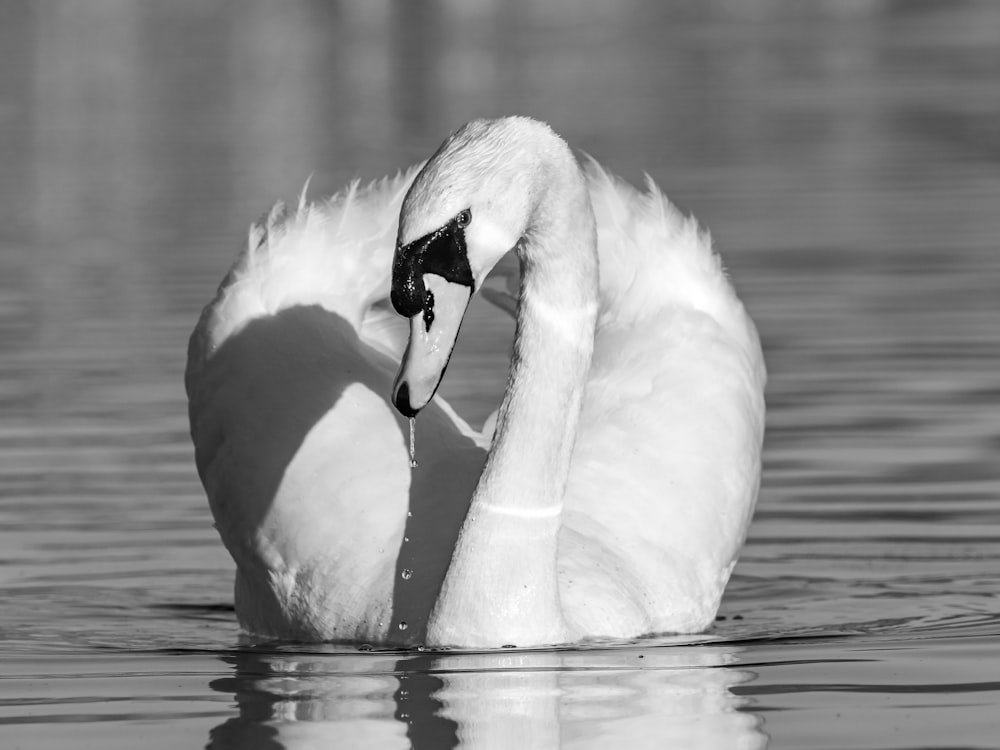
413	443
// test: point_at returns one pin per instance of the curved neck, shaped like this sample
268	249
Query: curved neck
509	541
536	426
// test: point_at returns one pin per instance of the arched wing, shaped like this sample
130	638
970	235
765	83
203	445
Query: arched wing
667	460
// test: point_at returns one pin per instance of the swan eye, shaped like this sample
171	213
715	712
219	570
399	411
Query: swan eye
464	217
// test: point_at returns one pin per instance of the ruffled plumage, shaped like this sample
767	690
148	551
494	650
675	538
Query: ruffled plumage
305	461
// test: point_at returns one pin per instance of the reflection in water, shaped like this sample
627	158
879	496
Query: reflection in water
664	697
418	706
299	700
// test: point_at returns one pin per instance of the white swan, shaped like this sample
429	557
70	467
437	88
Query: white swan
626	460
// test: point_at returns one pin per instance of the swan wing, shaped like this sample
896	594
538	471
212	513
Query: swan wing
666	465
304	461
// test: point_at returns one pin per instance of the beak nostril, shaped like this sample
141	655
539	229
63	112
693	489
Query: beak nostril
428	310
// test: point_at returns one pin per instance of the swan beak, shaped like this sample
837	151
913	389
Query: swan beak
433	331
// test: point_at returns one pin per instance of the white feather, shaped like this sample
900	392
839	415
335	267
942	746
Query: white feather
305	462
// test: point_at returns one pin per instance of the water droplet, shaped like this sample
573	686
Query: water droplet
409	514
413	443
407	574
406	538
365	647
403	626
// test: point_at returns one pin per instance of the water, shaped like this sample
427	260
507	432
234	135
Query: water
413	443
845	156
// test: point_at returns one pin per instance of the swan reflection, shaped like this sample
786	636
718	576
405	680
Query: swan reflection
618	697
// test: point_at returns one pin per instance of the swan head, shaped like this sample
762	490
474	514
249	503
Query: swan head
470	205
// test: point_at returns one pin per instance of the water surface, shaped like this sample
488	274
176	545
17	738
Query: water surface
846	159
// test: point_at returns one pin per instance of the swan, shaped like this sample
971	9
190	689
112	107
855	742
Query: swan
611	498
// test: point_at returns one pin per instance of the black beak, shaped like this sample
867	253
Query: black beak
442	252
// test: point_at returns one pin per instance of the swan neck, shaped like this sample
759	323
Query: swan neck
528	466
508	544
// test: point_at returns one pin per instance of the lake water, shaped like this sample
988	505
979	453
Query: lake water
846	156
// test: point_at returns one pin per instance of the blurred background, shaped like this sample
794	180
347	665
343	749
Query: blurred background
844	153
